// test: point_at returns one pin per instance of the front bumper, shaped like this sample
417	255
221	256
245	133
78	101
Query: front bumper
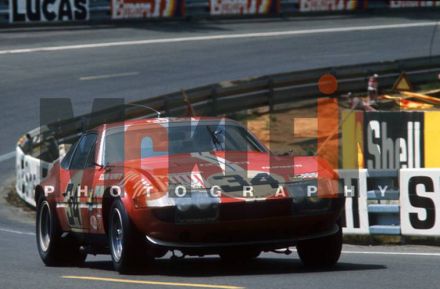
269	223
269	244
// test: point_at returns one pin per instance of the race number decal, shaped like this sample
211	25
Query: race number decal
419	201
73	212
72	200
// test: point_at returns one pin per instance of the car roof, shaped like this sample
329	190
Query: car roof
165	121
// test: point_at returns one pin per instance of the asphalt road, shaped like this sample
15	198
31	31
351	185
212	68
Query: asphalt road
359	267
138	61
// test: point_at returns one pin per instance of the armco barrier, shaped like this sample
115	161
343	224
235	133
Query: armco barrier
101	10
368	211
372	202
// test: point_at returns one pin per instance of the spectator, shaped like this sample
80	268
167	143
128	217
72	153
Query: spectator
373	89
28	144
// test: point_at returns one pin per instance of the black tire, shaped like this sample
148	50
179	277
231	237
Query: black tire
127	248
322	252
52	248
239	255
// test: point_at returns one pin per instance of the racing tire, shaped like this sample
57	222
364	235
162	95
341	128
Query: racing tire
321	252
126	247
239	255
52	248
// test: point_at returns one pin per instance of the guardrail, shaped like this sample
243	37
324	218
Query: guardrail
98	10
224	97
372	205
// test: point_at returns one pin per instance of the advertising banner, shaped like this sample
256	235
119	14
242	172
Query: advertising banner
48	10
331	5
122	9
394	140
420	201
411	4
391	140
243	7
431	135
355	219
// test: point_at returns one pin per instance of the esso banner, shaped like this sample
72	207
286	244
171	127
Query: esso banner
419	3
48	10
147	8
331	5
243	7
420	201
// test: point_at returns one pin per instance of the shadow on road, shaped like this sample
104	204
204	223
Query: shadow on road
205	267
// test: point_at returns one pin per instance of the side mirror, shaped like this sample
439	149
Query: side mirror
101	167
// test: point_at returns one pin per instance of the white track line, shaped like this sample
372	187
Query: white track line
17	232
106	76
218	37
385	253
7	156
392	253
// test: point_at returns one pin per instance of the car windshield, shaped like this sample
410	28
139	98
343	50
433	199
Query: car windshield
144	142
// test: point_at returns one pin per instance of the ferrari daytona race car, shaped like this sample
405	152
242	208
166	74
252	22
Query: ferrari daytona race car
139	189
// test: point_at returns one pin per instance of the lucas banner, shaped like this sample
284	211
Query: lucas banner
243	7
147	8
331	5
48	10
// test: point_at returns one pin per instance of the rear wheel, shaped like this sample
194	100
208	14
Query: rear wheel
322	252
127	248
52	248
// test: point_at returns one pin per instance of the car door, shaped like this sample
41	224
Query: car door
79	188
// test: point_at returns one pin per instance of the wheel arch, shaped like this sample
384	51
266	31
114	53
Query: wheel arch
39	192
107	202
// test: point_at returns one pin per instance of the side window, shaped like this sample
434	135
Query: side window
148	150
67	158
91	157
83	149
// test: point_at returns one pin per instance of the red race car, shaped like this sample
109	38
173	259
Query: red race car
202	186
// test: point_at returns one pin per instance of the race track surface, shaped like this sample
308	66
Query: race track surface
144	60
360	267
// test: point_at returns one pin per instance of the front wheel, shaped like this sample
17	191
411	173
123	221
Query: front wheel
322	252
126	246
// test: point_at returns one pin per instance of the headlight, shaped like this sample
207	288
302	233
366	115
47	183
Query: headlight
199	199
300	190
197	207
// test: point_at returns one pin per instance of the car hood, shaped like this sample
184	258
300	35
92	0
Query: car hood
229	172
